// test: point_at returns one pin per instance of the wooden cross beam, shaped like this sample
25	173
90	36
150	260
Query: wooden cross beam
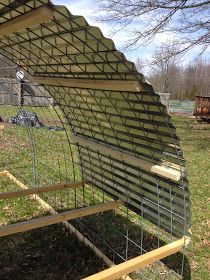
42	189
161	170
69	226
40	15
57	218
133	86
127	267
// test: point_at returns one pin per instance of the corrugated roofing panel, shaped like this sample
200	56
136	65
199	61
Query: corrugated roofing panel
134	123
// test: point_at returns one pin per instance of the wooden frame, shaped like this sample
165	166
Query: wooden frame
58	218
42	189
161	170
115	271
39	15
133	86
139	262
68	225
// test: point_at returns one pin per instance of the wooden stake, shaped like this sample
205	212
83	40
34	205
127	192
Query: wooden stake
91	84
39	15
57	218
42	189
127	267
164	171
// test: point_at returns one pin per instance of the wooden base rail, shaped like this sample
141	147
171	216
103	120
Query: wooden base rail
67	224
134	264
4	173
42	189
57	218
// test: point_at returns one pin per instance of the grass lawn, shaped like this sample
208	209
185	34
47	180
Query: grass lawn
48	243
195	141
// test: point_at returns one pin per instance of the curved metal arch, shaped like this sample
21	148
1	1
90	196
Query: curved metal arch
150	118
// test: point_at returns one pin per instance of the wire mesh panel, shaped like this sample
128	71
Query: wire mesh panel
84	113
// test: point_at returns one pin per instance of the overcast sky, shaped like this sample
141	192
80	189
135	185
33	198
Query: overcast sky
87	8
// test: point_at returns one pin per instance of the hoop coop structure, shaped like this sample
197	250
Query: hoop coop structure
84	135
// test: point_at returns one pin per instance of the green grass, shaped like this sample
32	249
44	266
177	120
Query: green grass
195	140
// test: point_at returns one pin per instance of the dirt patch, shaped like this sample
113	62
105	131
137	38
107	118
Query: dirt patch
47	253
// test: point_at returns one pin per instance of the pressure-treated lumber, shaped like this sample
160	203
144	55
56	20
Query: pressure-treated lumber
57	218
68	225
42	14
91	84
164	171
42	189
127	267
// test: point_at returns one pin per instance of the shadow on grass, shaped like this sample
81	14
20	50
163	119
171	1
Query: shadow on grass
112	229
46	253
52	253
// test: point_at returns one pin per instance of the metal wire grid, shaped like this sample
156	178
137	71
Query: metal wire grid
133	123
44	38
89	195
40	170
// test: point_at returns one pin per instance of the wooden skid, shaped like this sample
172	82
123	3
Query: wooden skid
127	267
57	218
40	15
42	189
133	86
164	171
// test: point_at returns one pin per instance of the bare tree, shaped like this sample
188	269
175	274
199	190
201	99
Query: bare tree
182	81
164	68
186	20
196	78
140	64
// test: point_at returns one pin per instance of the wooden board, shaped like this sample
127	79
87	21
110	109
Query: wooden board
164	171
91	84
57	218
68	226
127	267
40	15
4	173
42	189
